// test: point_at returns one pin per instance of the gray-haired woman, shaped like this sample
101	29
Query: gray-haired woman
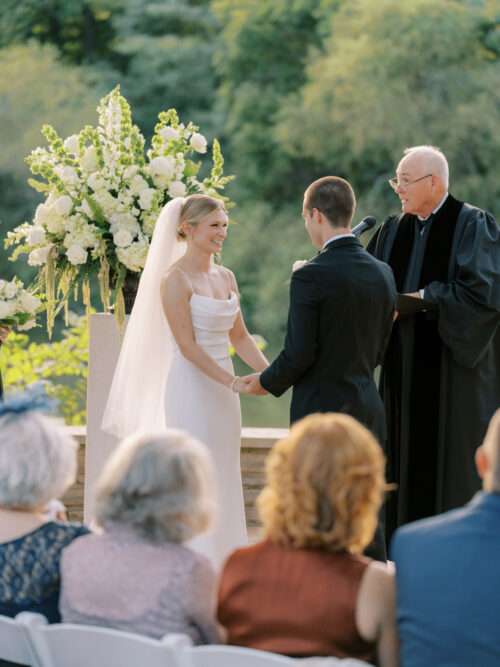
37	464
155	493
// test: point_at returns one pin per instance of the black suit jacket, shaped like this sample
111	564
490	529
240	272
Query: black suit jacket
339	322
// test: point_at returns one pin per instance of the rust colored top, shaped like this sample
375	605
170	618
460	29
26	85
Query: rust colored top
298	602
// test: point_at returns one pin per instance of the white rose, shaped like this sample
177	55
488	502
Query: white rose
169	134
89	159
146	198
35	235
72	144
27	325
299	264
133	257
162	166
63	205
6	309
177	189
198	143
39	256
76	254
29	303
122	238
138	184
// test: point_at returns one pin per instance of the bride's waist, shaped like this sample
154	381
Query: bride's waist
217	348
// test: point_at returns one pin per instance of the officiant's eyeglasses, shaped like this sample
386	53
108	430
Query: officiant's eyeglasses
403	183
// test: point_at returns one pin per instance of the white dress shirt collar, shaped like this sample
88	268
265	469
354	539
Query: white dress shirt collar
336	238
437	207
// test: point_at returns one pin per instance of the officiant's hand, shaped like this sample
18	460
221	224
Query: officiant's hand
253	385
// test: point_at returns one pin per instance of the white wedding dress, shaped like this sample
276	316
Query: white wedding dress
211	412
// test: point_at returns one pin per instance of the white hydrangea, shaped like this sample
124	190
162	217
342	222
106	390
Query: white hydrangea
39	256
10	290
138	184
29	303
124	221
146	198
89	160
162	169
68	175
85	208
55	224
35	235
198	143
130	172
72	144
169	134
106	201
122	238
63	205
177	189
76	254
7	309
96	182
133	257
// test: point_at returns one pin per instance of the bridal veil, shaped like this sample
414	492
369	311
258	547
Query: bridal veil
135	401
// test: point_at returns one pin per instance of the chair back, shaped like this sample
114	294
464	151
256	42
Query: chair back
15	645
233	656
64	644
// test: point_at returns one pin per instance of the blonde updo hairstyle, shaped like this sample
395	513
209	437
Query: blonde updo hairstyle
325	485
194	209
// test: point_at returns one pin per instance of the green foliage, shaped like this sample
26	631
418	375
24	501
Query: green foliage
62	365
398	74
80	29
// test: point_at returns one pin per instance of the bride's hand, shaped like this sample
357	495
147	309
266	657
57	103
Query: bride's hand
240	386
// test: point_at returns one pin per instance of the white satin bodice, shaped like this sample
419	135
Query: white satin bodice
212	320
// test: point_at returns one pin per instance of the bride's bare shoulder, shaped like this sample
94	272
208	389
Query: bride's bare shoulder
175	278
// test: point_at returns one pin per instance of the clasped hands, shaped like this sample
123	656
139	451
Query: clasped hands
249	384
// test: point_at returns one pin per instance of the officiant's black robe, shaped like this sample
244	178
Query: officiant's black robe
440	379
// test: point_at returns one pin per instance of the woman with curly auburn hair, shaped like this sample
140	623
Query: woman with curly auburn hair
306	590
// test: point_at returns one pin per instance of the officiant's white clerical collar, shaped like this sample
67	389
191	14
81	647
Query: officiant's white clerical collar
437	207
336	238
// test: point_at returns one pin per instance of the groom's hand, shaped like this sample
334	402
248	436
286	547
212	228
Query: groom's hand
253	385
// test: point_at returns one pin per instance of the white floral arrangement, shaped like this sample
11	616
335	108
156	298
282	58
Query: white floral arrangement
103	196
18	306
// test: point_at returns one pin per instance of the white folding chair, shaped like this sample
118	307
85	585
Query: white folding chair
68	645
15	645
233	656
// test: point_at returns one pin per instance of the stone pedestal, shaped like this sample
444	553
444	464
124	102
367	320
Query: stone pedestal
104	348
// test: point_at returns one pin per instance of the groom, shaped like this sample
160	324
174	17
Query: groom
341	310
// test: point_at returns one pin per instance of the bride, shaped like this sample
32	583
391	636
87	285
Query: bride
174	368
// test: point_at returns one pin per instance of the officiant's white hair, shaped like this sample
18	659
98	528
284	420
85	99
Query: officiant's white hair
161	485
434	160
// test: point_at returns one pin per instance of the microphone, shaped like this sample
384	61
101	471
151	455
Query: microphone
364	225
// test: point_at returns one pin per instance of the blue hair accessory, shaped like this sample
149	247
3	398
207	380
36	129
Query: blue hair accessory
34	398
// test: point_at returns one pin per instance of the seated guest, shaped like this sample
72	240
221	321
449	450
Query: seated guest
306	590
37	463
154	494
448	569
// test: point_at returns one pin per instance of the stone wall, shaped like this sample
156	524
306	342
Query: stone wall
255	445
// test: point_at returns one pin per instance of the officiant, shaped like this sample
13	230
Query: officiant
440	379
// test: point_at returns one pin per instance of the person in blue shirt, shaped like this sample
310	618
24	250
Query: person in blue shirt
448	574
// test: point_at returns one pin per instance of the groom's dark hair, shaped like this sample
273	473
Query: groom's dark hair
334	197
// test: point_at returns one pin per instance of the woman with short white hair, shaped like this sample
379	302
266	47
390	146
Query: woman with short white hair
155	493
37	464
